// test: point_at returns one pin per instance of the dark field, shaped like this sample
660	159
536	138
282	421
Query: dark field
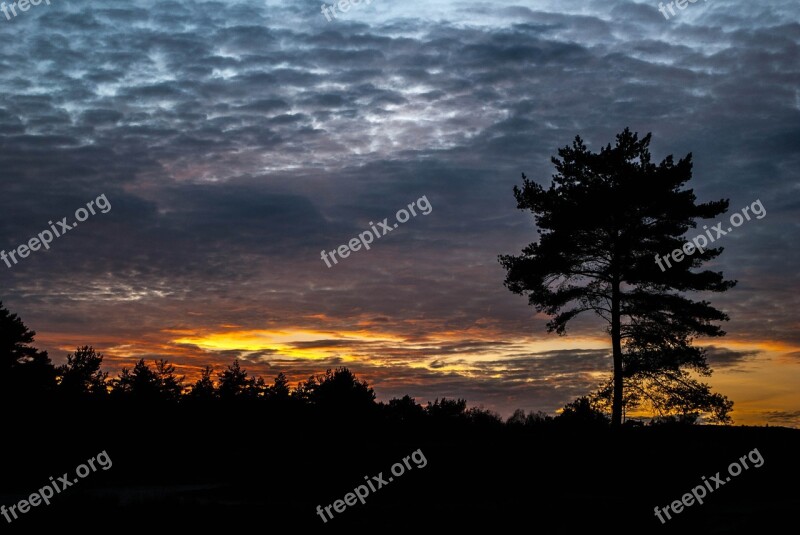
183	467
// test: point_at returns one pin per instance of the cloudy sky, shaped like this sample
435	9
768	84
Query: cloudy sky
235	141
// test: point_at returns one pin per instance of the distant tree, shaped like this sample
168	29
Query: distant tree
537	418
447	408
675	419
583	412
81	376
279	389
141	382
517	419
339	389
520	419
257	389
305	390
25	371
342	388
483	417
405	409
234	382
603	222
146	384
170	385
204	388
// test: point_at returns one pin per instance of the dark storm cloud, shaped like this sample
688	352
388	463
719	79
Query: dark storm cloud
236	140
720	357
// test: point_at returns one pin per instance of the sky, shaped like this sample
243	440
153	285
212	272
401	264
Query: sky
235	141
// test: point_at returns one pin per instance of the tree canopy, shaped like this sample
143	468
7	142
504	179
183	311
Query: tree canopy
25	372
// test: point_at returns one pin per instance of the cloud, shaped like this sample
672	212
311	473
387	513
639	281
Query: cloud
783	418
235	141
721	357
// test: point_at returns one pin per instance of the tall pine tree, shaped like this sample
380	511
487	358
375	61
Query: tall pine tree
602	222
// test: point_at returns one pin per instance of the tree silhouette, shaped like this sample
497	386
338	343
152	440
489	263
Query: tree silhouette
258	388
520	419
170	385
140	382
667	392
305	390
405	409
602	221
583	412
81	376
337	390
204	388
483	417
517	419
148	385
279	389
235	384
447	408
25	372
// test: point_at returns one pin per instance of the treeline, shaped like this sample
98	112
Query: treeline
27	376
82	379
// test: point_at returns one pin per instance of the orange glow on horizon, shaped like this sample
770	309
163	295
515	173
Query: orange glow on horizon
760	385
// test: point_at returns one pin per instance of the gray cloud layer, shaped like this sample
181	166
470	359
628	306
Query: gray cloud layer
235	140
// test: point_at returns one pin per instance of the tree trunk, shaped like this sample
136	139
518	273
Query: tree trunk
616	343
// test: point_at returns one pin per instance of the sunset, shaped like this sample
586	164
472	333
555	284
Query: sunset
533	212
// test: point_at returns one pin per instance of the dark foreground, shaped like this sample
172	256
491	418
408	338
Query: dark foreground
221	469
